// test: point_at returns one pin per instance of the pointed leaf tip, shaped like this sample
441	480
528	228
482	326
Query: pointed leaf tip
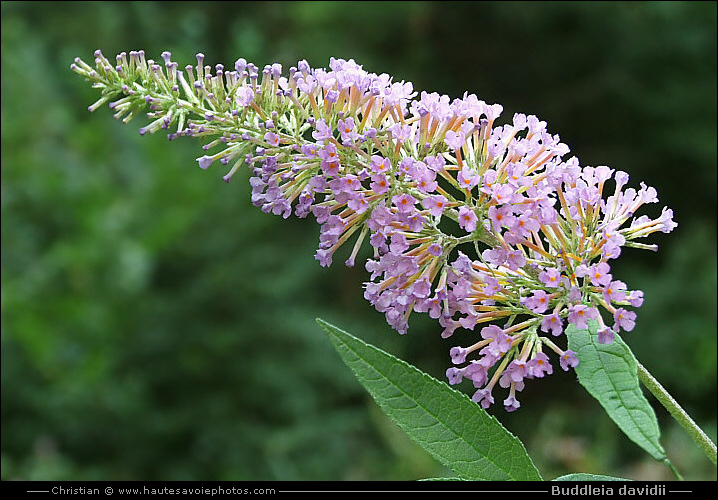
443	421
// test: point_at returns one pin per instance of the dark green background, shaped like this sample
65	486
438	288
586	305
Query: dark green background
155	325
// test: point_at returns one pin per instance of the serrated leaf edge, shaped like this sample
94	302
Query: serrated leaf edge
449	390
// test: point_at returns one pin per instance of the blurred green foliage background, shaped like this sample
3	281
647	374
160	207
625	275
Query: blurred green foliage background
157	326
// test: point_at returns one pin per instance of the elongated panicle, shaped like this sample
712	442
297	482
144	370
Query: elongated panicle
425	181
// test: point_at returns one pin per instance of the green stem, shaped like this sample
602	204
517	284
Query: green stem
673	469
695	432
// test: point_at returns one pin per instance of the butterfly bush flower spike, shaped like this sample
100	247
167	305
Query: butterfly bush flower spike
491	229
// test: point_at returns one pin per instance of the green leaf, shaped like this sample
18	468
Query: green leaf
588	477
609	374
443	421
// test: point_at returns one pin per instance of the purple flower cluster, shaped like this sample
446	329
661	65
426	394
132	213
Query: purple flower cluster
423	179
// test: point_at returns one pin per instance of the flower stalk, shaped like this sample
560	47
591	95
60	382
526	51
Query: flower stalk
677	412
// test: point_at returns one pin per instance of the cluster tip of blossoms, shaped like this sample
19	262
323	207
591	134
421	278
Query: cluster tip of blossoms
423	179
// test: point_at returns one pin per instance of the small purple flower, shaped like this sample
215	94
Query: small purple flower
449	325
579	314
635	298
380	164
501	342
665	221
404	202
514	372
379	183
401	133
469	322
309	150
455	140
503	193
435	204
324	257
538	366
458	355
455	375
272	139
205	161
421	288
476	372
568	360
500	216
331	96
435	163
435	249
511	403
322	132
624	319
614	291
521	226
398	244
515	259
493	111
425	180
491	332
495	146
483	397
605	335
467	178
553	323
413	221
538	302
358	203
330	160
244	96
346	131
495	256
406	166
550	277
317	183
467	219
599	274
